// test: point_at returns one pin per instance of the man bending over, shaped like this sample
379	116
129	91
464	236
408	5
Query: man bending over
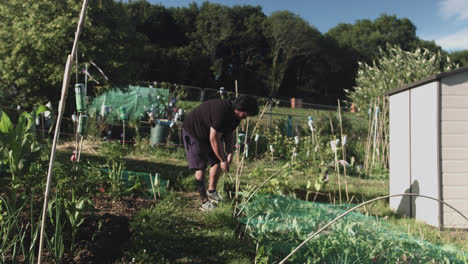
208	133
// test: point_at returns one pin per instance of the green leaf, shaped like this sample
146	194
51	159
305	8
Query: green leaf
6	126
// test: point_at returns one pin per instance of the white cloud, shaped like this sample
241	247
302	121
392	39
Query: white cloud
454	8
453	42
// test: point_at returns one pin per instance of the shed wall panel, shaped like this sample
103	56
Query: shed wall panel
459	204
453	89
455	153
454	147
453	219
454	101
400	152
424	149
454	192
455	179
454	140
454	128
453	114
454	166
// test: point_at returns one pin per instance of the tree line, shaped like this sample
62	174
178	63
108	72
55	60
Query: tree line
208	45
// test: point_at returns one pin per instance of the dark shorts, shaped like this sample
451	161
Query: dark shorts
199	154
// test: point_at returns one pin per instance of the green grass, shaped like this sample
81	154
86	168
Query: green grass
174	232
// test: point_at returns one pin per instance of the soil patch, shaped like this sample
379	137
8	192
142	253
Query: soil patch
103	235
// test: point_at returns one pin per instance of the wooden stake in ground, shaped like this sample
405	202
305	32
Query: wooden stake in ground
241	164
369	139
156	182
123	138
334	147
77	140
65	84
152	186
343	150
376	117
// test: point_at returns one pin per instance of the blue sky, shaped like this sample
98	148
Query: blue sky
444	21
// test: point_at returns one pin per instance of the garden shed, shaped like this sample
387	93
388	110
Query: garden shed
429	148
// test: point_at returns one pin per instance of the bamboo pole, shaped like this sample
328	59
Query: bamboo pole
376	116
152	186
65	85
77	139
156	182
123	137
237	92
241	166
79	151
360	205
337	167
369	129
343	151
385	131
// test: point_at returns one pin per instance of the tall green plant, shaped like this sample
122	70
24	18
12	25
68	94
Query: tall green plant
18	148
394	68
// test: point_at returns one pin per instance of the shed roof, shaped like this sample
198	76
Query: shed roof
431	78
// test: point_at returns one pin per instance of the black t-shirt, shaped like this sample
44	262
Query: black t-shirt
216	113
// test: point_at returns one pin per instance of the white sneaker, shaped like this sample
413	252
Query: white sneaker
207	206
215	196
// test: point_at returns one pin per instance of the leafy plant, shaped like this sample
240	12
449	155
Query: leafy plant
394	68
10	232
18	148
75	209
114	152
115	177
56	243
281	223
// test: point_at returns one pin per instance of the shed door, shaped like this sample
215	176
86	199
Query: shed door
400	152
425	152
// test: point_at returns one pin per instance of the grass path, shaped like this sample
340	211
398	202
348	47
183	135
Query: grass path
176	231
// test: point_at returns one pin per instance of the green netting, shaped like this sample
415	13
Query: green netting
279	224
136	100
133	179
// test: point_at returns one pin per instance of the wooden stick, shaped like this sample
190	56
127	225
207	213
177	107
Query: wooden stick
152	186
235	84
123	139
79	151
369	140
157	183
241	166
259	119
65	85
343	150
376	116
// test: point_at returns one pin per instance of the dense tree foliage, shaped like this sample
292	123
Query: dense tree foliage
36	36
292	41
210	45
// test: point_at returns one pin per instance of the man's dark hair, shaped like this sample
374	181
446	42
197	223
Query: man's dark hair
246	104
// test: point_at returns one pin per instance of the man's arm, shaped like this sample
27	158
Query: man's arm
218	148
228	142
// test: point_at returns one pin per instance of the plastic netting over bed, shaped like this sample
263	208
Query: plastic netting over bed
279	224
137	101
